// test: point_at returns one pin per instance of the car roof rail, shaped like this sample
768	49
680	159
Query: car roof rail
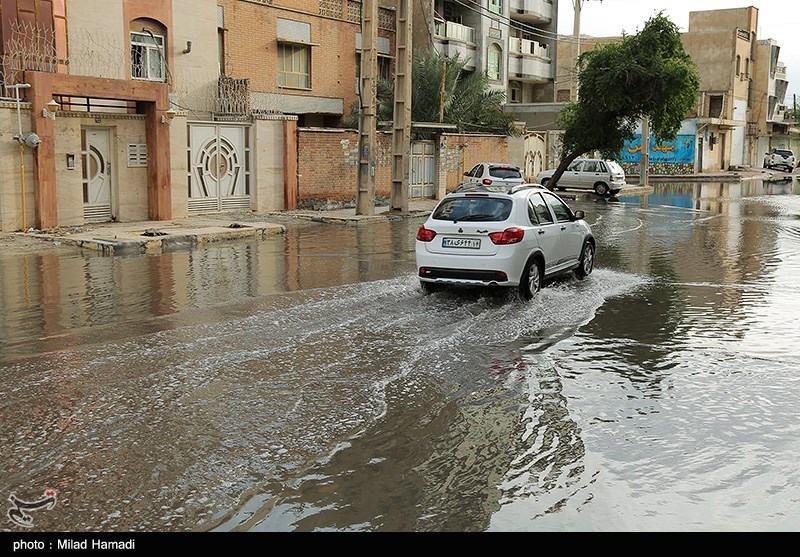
520	187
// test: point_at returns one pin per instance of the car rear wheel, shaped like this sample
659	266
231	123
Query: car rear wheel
586	262
545	181
428	287
531	281
600	188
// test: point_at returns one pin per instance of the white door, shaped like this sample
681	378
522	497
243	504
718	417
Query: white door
423	167
96	175
219	177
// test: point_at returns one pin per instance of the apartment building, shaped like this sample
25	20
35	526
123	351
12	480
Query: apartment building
768	125
511	41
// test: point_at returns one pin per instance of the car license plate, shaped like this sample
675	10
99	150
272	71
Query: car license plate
470	243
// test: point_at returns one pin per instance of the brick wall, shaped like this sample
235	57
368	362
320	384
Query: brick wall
327	164
251	47
327	167
459	153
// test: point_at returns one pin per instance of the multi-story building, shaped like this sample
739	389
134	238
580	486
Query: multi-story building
512	41
137	109
768	126
722	43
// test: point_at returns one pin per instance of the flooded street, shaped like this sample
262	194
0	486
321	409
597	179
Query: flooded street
304	383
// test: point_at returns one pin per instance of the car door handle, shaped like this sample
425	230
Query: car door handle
541	231
563	228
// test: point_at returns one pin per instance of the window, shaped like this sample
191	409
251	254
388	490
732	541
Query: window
294	66
493	66
590	166
738	64
562	212
147	59
515	92
575	166
496	6
715	106
538	211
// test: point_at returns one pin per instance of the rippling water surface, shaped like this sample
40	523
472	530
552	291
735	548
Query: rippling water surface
304	383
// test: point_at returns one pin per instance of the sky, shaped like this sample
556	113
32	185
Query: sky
777	19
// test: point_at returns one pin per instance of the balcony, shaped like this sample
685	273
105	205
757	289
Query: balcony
531	11
529	48
529	61
453	38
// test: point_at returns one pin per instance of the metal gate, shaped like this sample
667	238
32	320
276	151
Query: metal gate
96	175
219	168
423	169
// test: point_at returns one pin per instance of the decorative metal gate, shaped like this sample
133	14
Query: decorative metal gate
423	169
219	167
96	175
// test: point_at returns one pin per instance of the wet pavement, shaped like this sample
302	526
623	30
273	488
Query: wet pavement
302	382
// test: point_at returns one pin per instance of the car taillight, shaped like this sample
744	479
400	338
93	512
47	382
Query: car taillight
425	234
487	182
511	235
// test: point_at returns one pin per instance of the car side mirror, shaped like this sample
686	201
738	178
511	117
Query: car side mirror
580	215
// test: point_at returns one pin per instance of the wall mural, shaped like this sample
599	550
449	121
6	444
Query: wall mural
671	157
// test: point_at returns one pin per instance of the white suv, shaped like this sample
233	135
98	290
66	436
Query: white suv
603	176
516	239
494	175
780	158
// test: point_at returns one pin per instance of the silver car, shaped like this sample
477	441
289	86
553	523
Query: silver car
602	176
494	174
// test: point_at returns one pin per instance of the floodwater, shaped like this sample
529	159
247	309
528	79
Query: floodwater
304	383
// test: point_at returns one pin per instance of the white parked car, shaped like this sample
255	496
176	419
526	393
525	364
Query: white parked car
780	158
602	176
514	239
494	175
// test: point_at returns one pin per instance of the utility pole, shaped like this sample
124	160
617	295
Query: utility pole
576	37
644	164
576	40
401	121
367	118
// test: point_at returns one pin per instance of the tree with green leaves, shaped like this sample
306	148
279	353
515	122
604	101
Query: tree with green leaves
648	74
468	101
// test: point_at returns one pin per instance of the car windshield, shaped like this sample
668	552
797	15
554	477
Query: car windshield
478	209
504	172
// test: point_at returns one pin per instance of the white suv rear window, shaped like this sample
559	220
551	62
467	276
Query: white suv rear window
504	172
475	209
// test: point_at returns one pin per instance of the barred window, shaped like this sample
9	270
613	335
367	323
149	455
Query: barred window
147	60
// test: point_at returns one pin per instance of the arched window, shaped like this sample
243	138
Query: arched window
494	61
514	91
148	50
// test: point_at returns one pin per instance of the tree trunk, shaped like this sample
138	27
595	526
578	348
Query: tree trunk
562	166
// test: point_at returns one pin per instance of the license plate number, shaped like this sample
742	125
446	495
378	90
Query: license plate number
469	243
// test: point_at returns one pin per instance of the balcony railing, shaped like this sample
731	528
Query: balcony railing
454	31
525	46
533	11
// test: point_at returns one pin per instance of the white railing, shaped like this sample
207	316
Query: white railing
525	46
455	31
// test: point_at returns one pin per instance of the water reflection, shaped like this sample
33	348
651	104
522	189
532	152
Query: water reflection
43	296
714	197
